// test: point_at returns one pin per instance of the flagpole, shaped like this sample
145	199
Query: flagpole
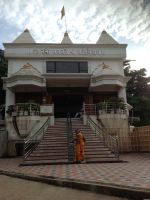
65	23
63	14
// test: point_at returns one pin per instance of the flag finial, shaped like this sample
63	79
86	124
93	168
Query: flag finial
62	12
62	15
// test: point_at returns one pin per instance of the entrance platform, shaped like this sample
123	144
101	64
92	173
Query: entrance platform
127	179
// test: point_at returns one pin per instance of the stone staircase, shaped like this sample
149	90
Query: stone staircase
95	151
52	149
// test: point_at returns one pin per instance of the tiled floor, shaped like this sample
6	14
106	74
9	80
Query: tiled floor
133	173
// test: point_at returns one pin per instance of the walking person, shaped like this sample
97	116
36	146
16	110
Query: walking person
79	147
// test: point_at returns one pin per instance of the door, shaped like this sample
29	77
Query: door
67	103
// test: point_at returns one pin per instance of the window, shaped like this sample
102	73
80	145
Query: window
83	67
66	67
50	67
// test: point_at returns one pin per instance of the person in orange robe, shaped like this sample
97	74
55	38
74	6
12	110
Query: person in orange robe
79	147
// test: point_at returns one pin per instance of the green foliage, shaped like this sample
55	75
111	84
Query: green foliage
23	107
113	103
116	100
137	85
102	105
138	94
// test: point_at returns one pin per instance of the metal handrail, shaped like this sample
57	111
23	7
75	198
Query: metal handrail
31	142
105	107
70	138
89	109
108	140
25	109
112	107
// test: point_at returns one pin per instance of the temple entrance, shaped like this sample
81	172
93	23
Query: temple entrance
67	103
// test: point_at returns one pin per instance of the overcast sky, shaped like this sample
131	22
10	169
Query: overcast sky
127	21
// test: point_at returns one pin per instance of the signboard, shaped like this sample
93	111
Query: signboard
54	52
66	51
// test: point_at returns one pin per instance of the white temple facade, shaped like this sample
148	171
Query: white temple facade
60	78
64	74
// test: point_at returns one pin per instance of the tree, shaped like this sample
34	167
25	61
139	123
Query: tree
138	93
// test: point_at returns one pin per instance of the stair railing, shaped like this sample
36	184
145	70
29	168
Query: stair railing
70	139
89	109
31	142
112	108
109	141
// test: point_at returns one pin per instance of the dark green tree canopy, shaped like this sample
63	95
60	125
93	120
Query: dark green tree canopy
138	93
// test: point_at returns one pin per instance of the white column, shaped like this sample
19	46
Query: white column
122	94
10	97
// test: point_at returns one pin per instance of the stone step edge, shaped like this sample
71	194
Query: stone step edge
61	161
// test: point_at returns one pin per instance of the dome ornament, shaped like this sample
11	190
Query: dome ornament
27	65
104	66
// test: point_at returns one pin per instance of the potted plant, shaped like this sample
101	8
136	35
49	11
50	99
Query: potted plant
102	107
117	104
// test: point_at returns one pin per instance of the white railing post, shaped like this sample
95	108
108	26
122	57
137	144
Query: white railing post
30	108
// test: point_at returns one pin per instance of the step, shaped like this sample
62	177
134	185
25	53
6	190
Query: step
59	132
50	151
49	154
47	158
102	160
99	156
49	148
52	146
94	142
88	145
57	142
44	162
54	136
65	161
98	152
45	142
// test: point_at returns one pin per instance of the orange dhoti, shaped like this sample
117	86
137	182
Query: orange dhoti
79	148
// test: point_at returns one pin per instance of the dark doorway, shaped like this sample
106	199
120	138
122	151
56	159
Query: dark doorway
67	103
19	149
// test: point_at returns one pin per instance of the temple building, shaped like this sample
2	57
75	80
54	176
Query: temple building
64	74
60	77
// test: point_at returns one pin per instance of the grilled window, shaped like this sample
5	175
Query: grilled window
66	67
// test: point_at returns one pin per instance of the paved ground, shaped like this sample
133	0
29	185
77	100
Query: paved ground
134	173
19	189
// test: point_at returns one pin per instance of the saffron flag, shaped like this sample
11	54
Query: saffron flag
62	12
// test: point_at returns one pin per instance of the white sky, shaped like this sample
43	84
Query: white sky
127	21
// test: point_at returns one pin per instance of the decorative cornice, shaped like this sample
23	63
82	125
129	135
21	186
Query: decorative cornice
123	79
57	45
24	78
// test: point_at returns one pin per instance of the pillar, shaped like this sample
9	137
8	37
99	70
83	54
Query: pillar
122	94
10	97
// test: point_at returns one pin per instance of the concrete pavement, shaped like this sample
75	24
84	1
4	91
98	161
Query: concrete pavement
130	178
14	188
